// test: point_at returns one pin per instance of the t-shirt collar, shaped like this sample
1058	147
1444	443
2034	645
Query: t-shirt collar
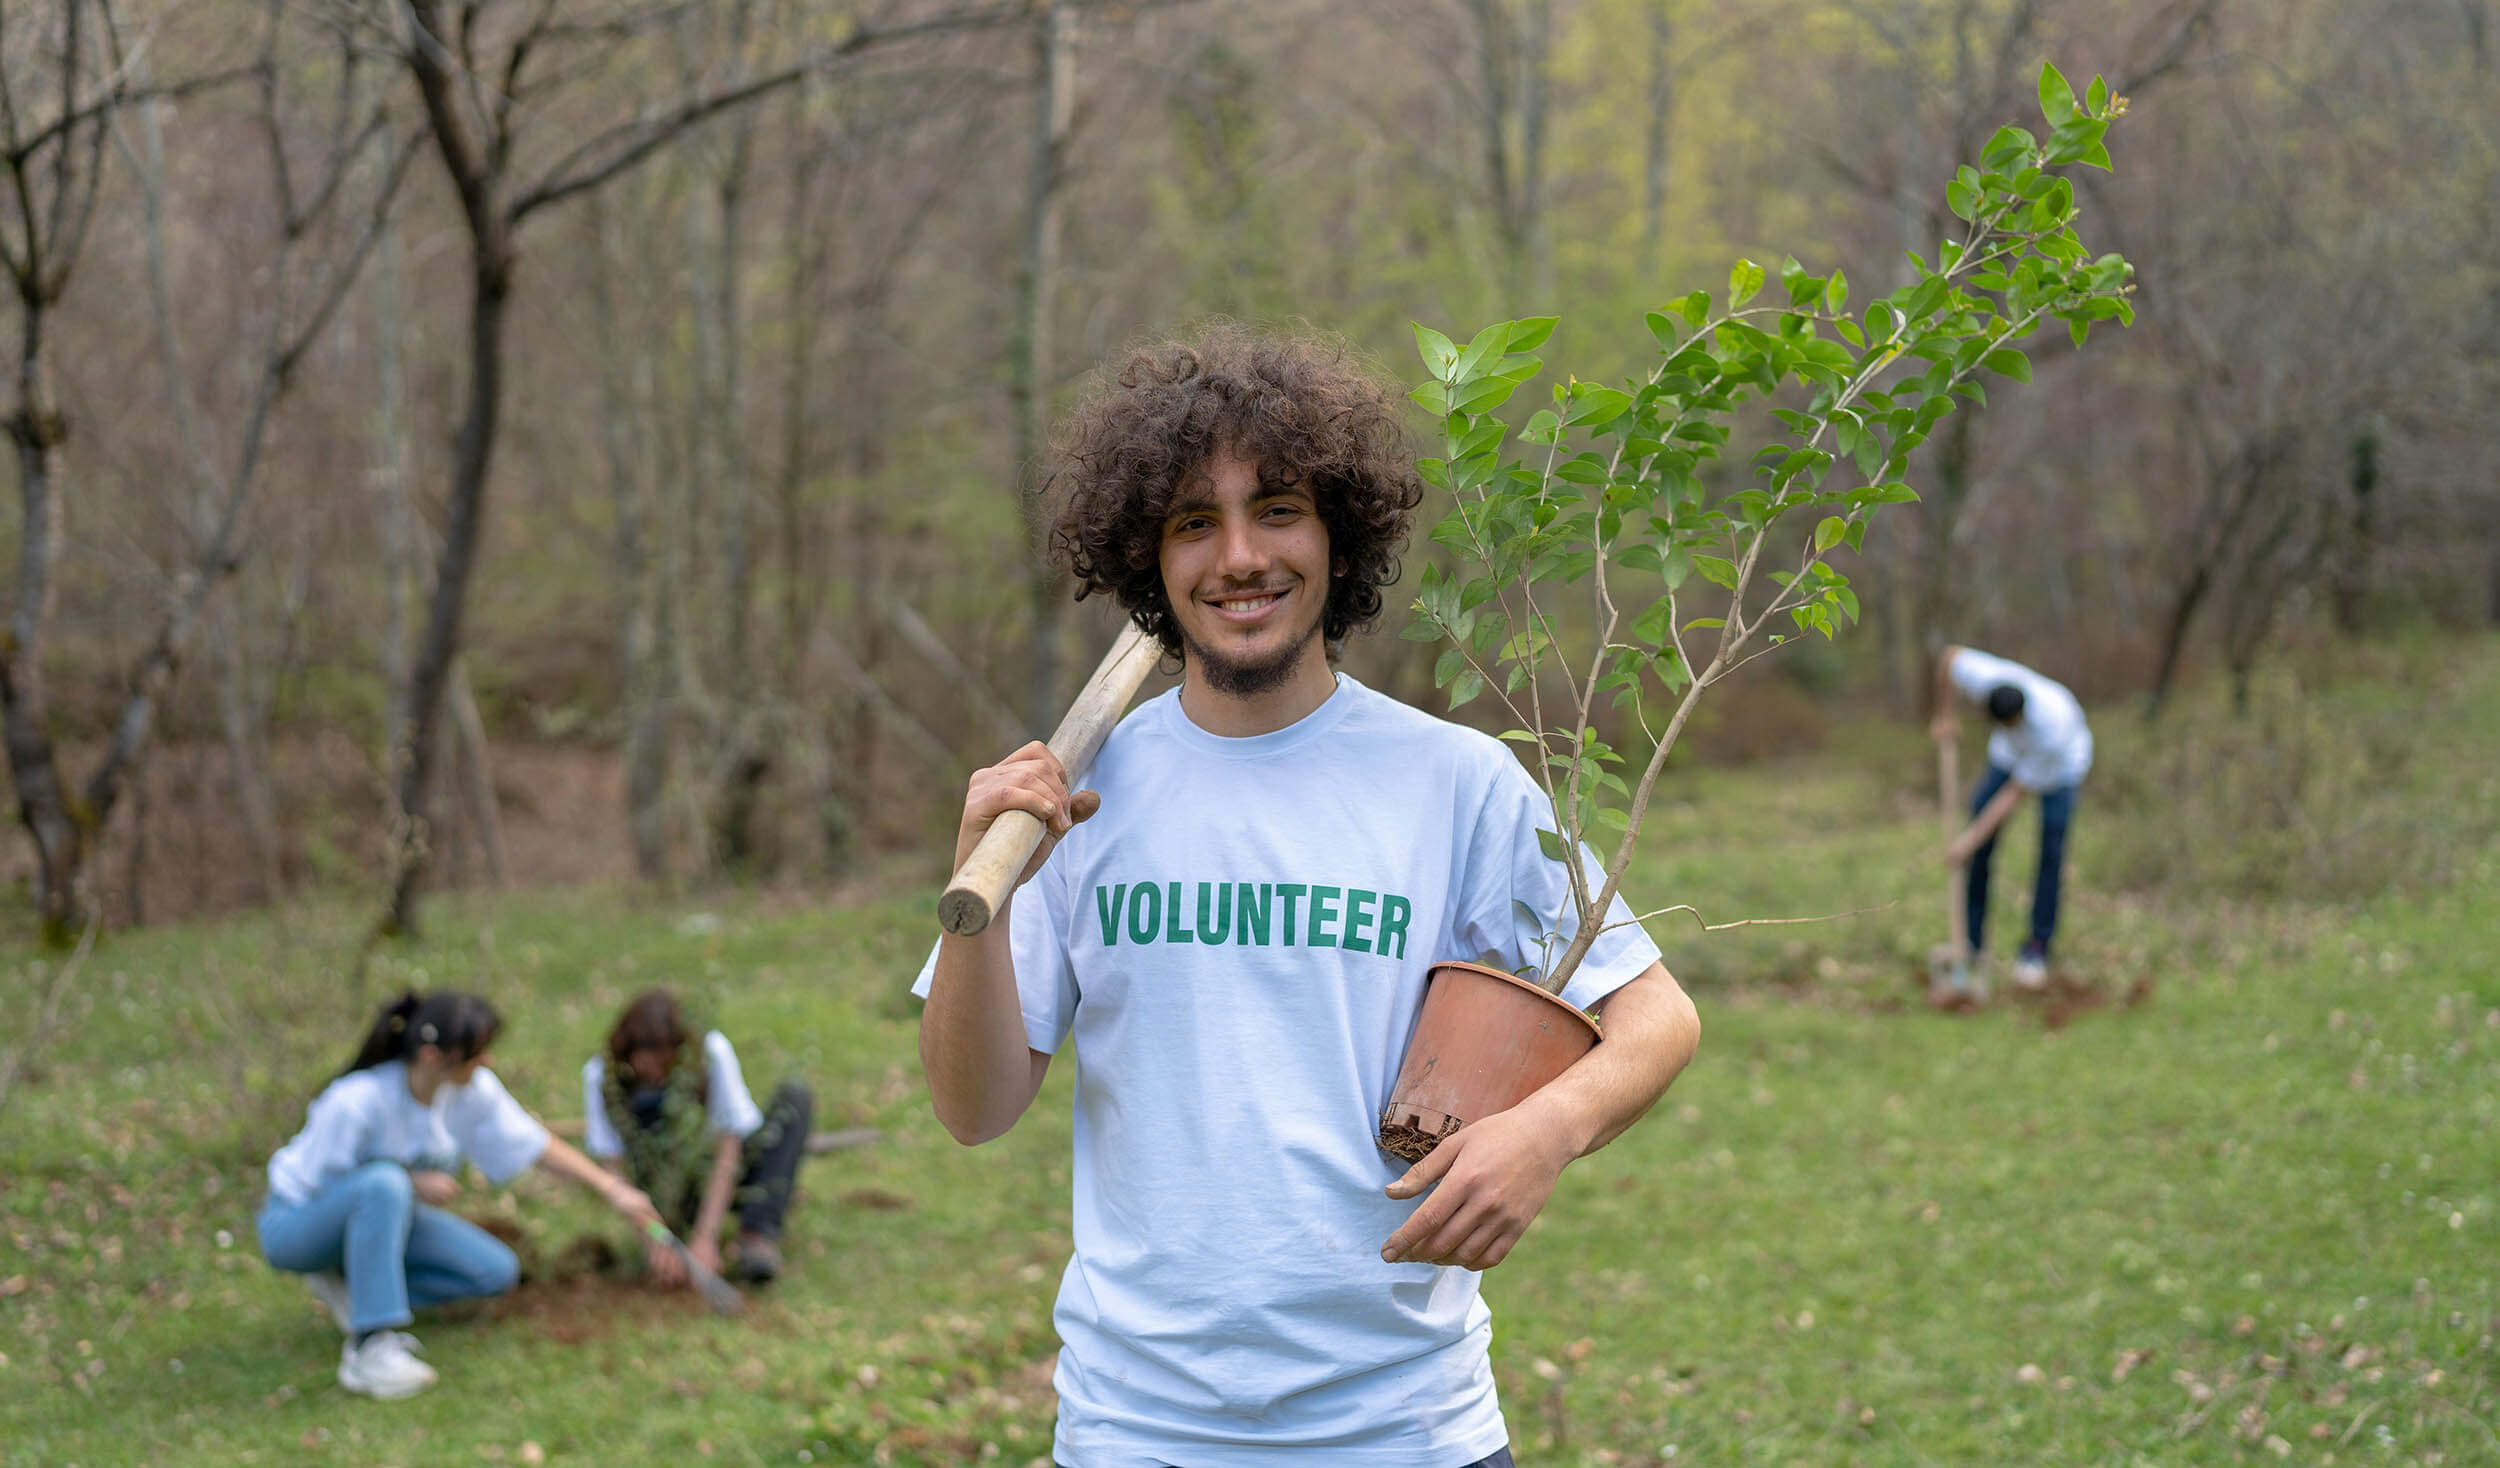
1331	712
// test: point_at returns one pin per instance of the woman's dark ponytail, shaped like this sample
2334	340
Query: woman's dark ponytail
460	1025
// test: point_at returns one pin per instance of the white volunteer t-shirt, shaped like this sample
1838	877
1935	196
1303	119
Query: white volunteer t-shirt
728	1107
2051	748
369	1116
1237	943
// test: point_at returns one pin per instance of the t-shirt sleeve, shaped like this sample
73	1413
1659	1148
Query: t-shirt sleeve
726	1100
492	1130
599	1137
1512	892
1038	938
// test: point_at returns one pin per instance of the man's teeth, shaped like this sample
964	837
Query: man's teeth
1247	604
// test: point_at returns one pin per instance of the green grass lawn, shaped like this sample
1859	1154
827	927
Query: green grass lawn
2251	1216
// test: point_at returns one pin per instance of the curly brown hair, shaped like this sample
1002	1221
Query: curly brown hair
1297	406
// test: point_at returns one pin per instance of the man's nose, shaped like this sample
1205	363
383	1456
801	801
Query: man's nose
1243	552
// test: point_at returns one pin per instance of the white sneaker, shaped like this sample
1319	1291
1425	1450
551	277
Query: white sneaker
384	1366
330	1288
2031	971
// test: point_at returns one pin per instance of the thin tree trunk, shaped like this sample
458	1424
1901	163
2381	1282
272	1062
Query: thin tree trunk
643	671
478	775
1031	353
43	802
490	287
1656	140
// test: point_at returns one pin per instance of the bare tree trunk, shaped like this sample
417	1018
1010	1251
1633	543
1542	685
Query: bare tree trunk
1030	353
644	671
43	803
490	288
1656	139
395	518
2352	577
478	775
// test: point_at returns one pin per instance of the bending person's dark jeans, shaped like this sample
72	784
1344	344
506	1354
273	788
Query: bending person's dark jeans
2057	812
773	1154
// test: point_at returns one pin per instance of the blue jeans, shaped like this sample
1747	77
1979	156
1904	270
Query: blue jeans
2057	812
396	1252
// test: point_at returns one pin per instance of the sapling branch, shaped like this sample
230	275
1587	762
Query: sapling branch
2016	264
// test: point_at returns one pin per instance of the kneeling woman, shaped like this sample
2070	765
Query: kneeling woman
352	1198
676	1116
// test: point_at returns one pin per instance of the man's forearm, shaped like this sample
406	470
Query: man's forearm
982	1071
1996	812
1651	1032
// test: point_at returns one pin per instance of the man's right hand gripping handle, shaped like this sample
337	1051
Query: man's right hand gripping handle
982	1072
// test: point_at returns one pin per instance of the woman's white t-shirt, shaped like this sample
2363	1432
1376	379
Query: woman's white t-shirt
1237	945
370	1116
728	1107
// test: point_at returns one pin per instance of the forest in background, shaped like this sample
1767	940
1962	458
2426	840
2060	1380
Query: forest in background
626	413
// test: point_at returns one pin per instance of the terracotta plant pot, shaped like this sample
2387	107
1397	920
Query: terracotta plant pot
1485	1042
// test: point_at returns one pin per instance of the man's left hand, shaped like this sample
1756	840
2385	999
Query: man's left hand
1494	1178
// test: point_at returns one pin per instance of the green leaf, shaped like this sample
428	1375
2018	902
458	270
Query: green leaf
2007	362
1421	630
1543	427
1440	354
1705	622
1450	664
1529	333
1962	199
1612	818
1694	308
1487	345
1598	404
1828	533
1717	570
1551	843
1743	283
2057	99
1483	395
1464	690
2096	97
1432	397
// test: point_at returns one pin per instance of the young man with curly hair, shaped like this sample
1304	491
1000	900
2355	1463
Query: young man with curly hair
1233	927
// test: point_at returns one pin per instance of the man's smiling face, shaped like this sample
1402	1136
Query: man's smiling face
1246	568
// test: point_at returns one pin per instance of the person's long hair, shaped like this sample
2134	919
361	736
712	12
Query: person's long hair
460	1025
653	1021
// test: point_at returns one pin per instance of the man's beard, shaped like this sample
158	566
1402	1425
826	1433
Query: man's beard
1239	678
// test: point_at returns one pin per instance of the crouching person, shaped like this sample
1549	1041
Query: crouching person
675	1117
354	1200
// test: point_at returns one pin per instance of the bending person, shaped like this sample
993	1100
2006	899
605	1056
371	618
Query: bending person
354	1199
2041	746
676	1118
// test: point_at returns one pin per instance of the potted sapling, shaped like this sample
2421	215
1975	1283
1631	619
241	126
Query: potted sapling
1606	567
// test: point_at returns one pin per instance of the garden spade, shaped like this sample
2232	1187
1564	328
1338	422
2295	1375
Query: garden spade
1948	964
717	1292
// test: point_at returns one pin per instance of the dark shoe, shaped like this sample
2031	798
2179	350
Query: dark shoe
759	1259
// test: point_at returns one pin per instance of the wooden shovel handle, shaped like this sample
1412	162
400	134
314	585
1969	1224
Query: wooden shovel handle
981	886
1948	794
